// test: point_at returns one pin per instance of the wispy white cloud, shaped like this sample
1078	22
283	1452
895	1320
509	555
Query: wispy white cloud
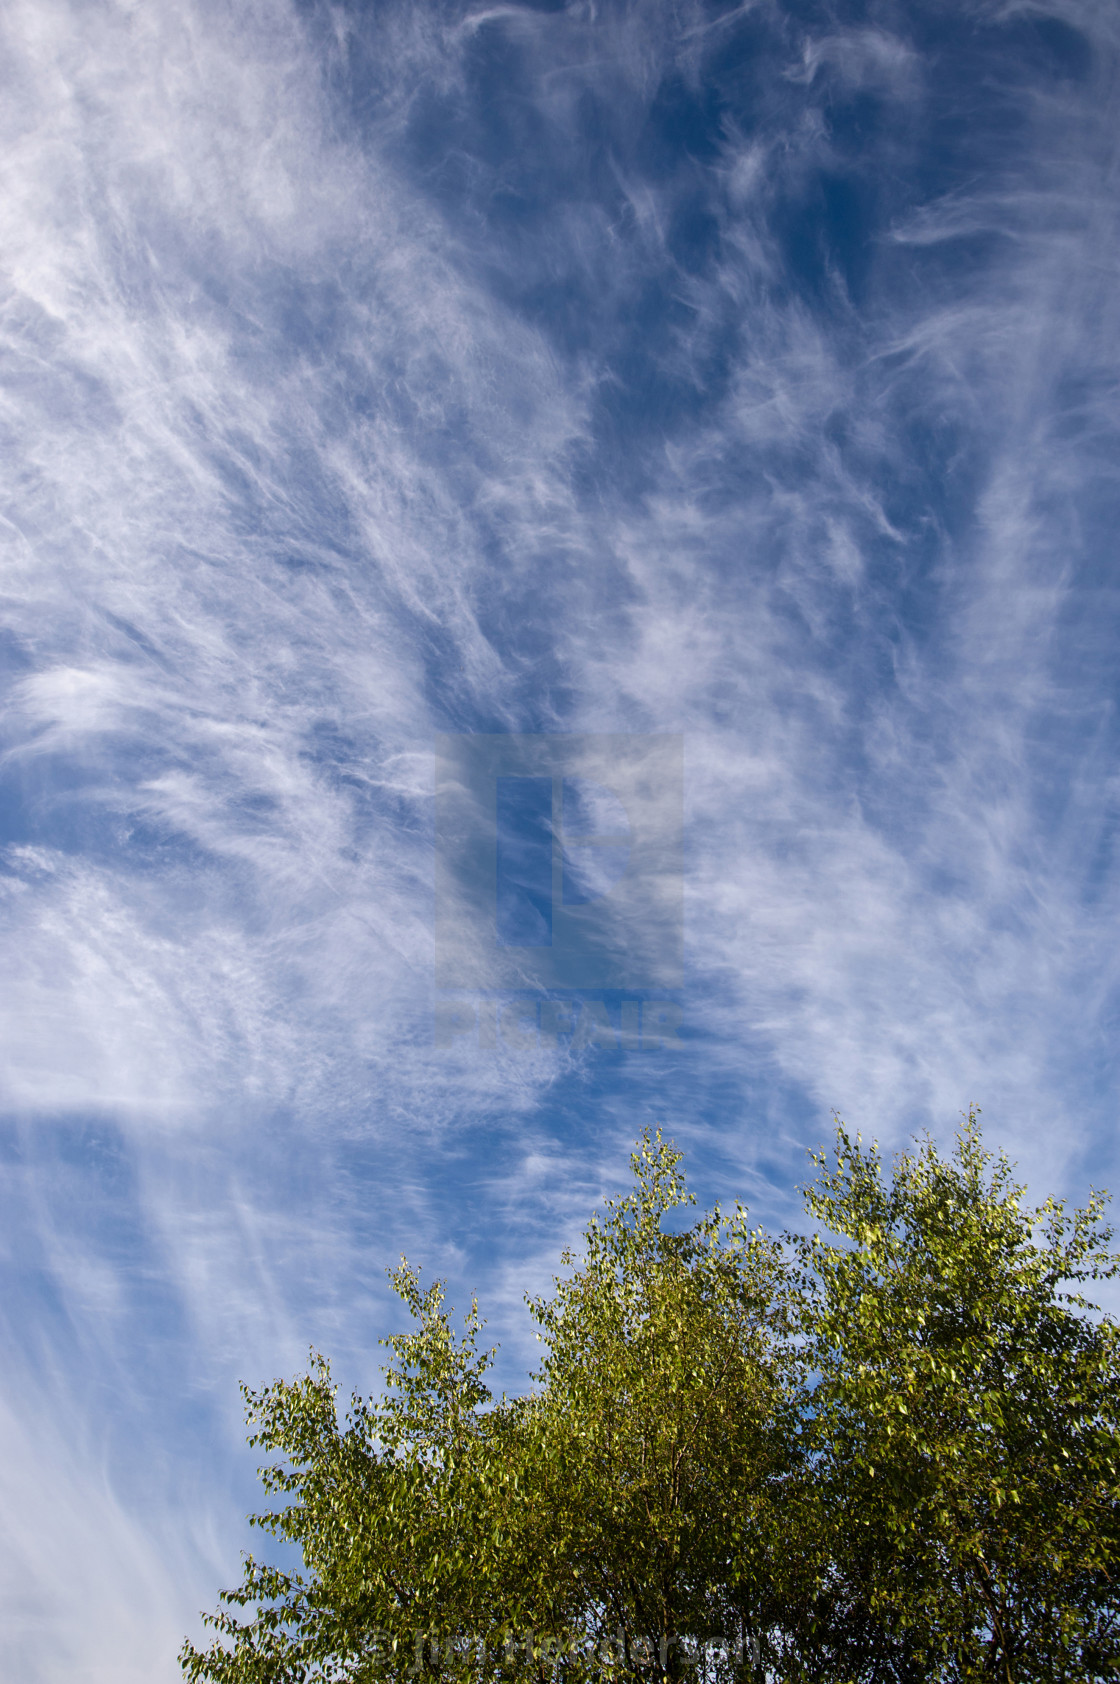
90	1591
863	58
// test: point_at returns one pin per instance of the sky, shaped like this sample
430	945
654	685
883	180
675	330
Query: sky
375	376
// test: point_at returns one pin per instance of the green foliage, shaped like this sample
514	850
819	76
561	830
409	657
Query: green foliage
667	1398
967	1414
885	1454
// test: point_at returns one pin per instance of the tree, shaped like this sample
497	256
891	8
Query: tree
617	1515
668	1401
966	1416
408	1514
885	1455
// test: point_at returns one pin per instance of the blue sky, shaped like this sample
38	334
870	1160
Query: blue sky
373	372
